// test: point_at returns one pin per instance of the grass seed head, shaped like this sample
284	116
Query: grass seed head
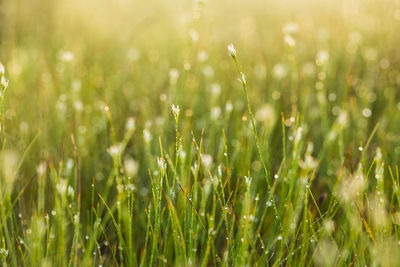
232	51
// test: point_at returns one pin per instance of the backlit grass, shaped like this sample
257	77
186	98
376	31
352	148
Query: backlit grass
204	133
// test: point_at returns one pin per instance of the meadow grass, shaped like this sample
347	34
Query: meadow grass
206	133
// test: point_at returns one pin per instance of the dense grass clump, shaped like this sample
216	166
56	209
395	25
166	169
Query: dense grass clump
136	134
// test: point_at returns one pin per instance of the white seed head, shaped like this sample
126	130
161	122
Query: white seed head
248	180
2	69
175	111
215	113
61	186
41	168
130	188
78	105
342	119
207	160
219	170
228	106
3	252
147	136
9	162
173	76
131	167
243	78
289	40
161	164
232	50
115	150
308	163
329	226
4	83
67	56
130	124
322	57
70	191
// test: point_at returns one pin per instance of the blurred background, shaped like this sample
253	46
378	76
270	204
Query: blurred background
333	65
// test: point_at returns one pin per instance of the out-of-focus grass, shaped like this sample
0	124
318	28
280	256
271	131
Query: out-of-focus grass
97	169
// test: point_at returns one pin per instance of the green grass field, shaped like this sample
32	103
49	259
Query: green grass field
199	133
